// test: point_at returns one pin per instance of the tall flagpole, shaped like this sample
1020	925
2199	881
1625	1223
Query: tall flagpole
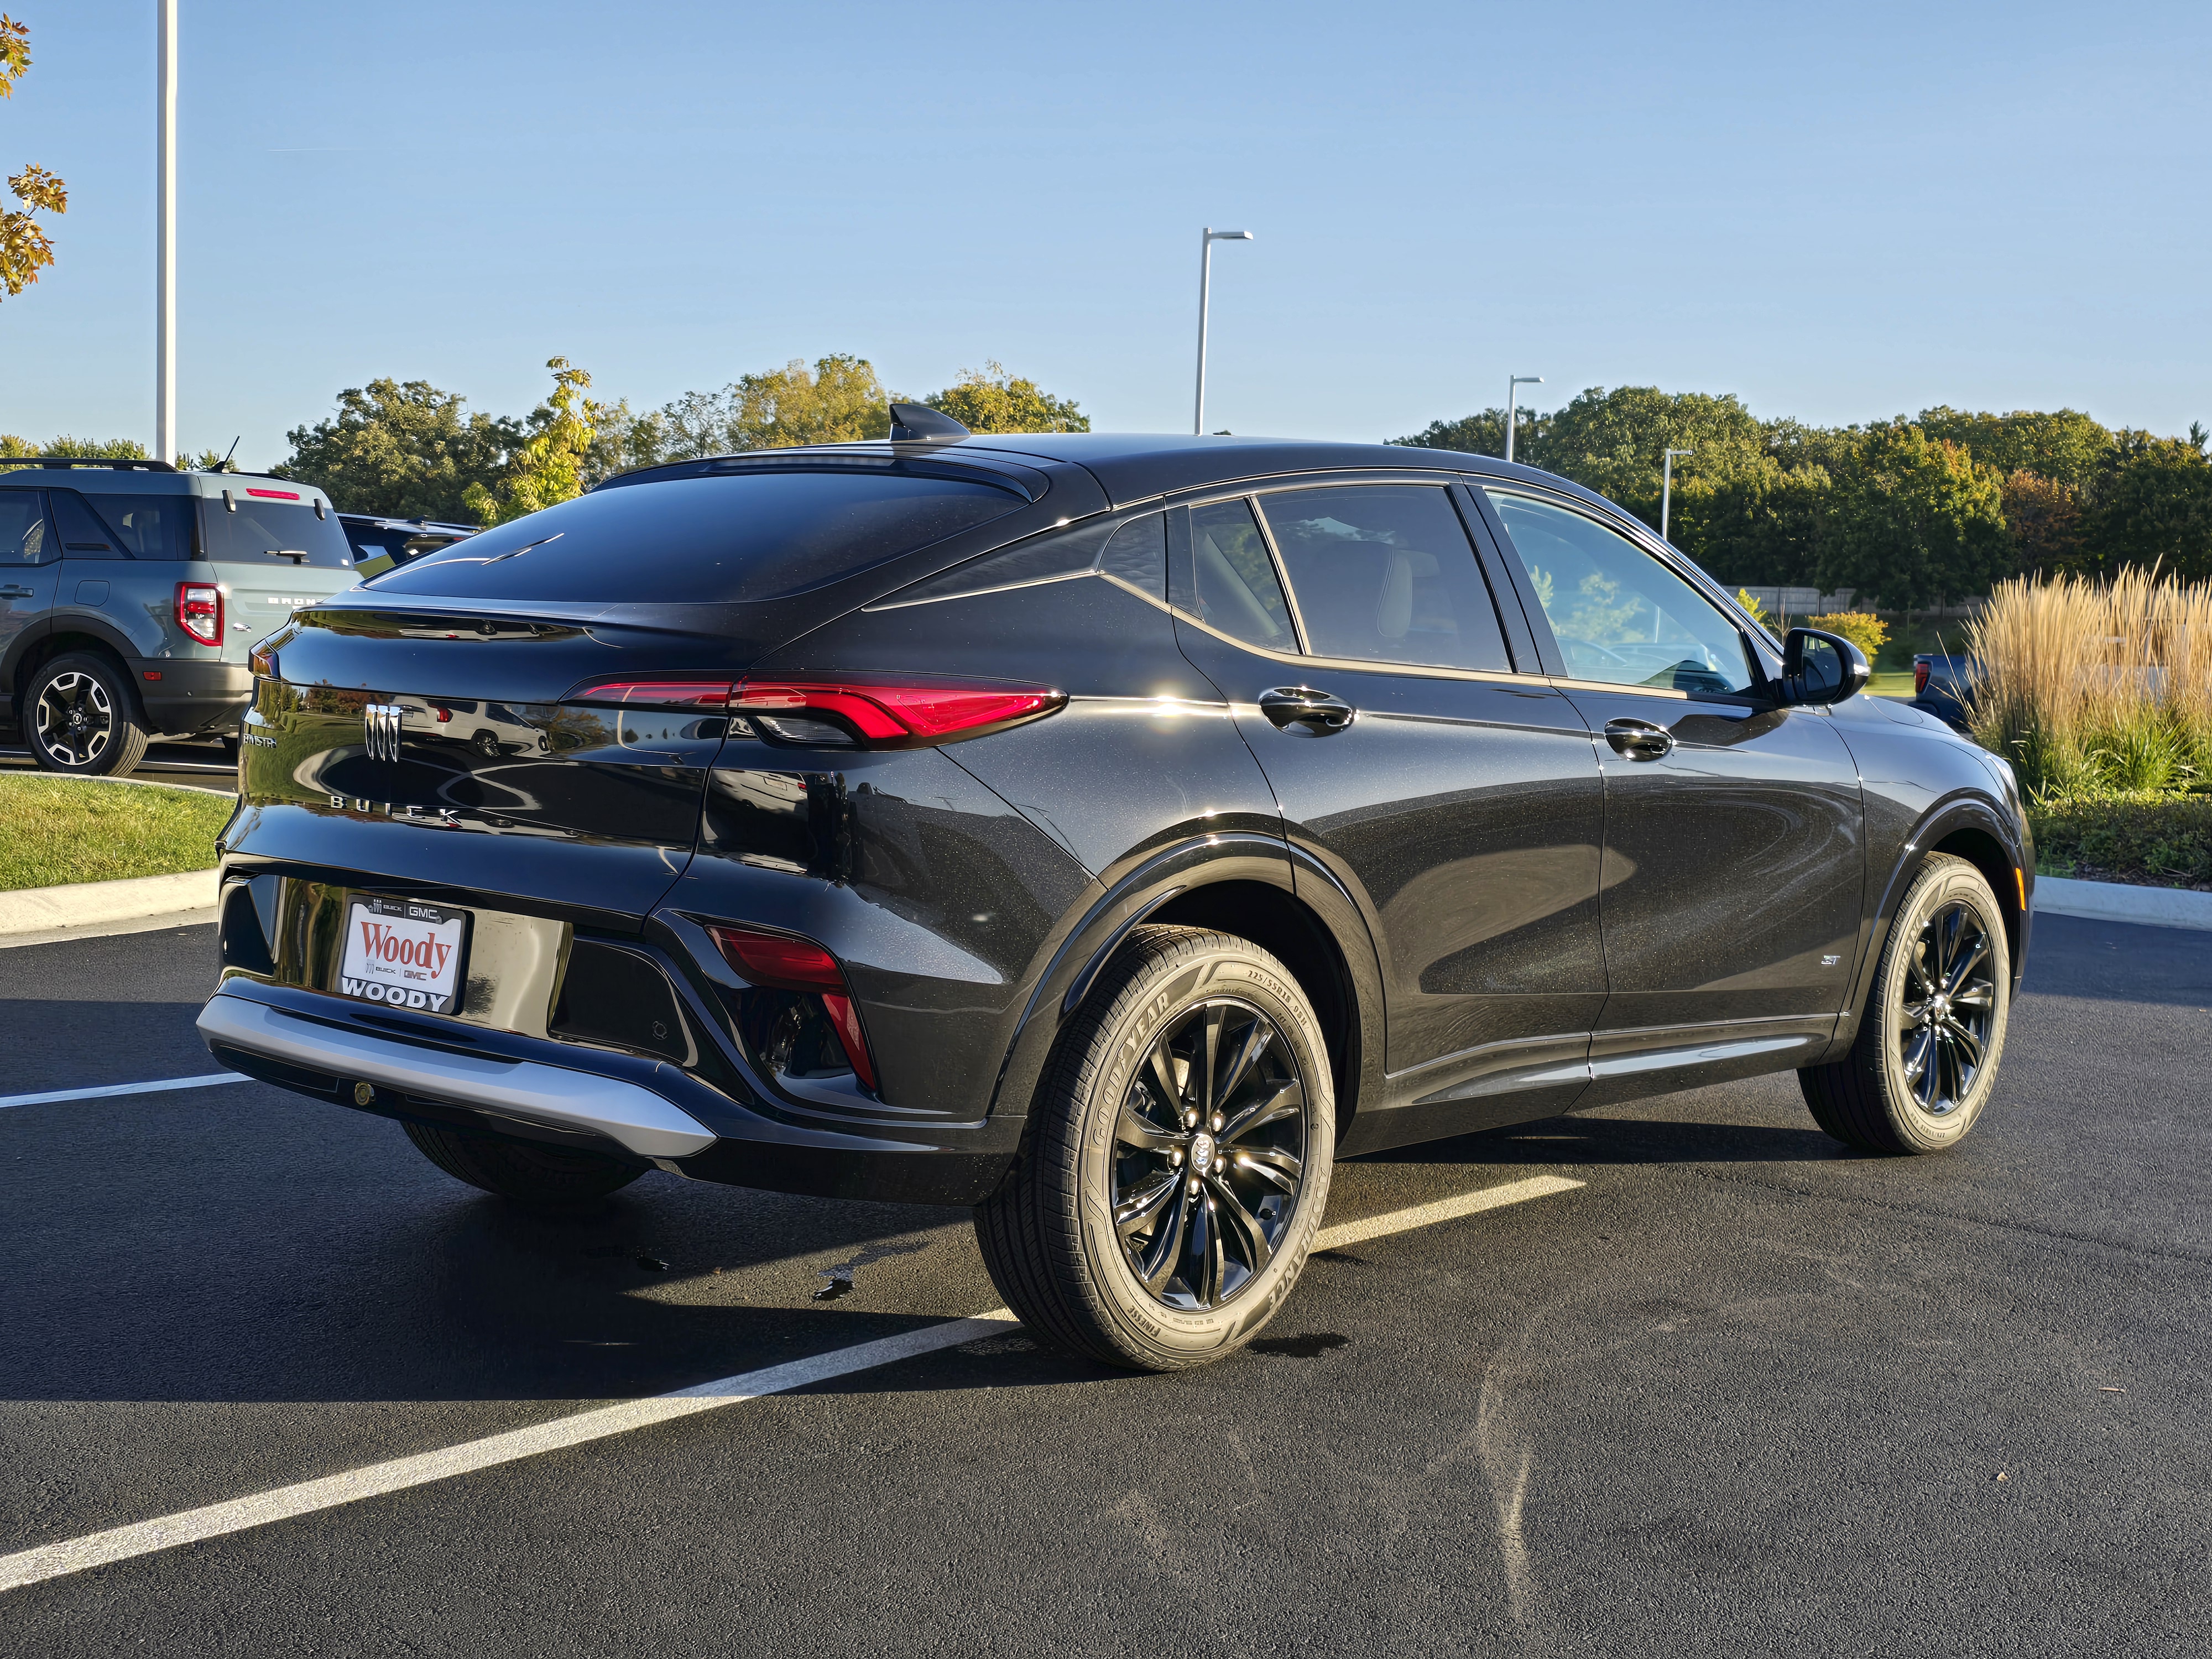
165	259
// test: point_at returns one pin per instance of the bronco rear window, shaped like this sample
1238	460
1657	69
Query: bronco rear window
274	535
742	536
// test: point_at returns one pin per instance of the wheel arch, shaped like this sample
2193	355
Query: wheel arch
75	636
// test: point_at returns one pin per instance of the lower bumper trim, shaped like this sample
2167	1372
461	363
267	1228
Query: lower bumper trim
635	1118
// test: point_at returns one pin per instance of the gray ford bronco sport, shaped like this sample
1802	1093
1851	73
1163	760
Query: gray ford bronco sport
131	595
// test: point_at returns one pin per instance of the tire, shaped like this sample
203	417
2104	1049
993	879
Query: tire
550	1180
80	719
1049	1236
1921	1068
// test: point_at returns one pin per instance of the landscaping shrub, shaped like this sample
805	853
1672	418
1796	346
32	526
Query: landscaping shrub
1862	627
2139	836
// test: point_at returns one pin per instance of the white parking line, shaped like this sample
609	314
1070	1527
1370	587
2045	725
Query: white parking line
101	1549
207	1082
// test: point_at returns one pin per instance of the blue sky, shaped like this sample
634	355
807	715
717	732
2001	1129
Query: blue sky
1835	212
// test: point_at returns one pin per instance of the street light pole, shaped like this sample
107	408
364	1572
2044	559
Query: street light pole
1513	385
1667	486
1205	282
165	258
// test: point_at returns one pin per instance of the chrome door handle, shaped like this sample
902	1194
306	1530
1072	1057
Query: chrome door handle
1639	739
1301	705
17	591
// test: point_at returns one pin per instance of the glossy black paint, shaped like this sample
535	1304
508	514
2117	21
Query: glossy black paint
1496	915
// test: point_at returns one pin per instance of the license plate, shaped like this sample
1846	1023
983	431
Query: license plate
403	954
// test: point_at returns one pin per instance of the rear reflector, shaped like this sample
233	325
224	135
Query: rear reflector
779	962
880	714
199	611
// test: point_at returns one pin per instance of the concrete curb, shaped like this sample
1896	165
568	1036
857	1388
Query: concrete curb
86	909
2111	901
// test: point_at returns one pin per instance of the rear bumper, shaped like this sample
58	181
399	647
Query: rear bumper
525	1092
191	697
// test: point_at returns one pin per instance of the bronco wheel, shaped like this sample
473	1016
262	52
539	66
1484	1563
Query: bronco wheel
1178	1159
80	718
1925	1059
550	1179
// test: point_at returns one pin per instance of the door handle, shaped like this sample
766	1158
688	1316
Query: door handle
1639	739
17	591
1301	705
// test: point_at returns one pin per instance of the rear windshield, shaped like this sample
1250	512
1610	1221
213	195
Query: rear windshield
272	534
742	536
148	526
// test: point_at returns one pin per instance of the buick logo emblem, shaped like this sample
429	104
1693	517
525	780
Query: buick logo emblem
380	721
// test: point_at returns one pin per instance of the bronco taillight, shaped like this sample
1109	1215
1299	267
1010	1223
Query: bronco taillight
199	611
866	711
781	962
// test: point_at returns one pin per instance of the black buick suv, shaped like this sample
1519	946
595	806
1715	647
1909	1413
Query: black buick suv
1108	833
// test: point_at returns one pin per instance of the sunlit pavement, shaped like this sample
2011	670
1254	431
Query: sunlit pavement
1738	1392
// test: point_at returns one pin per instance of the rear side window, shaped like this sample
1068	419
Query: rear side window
271	534
83	536
23	538
1384	572
147	526
741	537
1235	587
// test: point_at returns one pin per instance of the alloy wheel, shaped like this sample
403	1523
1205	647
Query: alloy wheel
76	720
1210	1151
1950	1003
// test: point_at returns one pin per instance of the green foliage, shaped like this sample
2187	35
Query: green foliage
1862	627
54	832
88	449
2140	835
2151	505
1918	522
548	468
25	247
2065	446
991	400
1754	609
403	450
1484	434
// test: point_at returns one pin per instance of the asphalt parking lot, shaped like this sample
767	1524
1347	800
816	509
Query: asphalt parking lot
1736	1392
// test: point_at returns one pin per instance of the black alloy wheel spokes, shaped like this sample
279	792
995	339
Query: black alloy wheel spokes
74	719
1209	1156
1950	1004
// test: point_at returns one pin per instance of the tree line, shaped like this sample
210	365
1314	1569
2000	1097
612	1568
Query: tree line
1913	511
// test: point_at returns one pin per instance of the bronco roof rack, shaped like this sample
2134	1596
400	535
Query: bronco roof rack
118	464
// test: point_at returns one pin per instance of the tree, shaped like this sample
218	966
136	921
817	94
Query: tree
2043	518
1484	434
2065	446
2152	504
88	449
25	247
1919	522
548	468
402	450
991	400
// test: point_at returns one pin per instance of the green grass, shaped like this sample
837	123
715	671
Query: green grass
1892	685
57	830
2141	837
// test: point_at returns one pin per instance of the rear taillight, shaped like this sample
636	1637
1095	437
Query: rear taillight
780	962
868	712
199	611
1919	678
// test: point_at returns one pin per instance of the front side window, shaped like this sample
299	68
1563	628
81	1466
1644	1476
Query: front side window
22	527
1384	572
1621	616
1236	587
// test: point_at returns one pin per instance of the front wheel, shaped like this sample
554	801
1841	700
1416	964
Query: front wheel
1178	1159
1926	1060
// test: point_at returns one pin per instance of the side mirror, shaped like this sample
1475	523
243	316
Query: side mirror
1818	667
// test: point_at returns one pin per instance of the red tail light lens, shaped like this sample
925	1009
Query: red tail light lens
780	962
877	714
199	611
1919	678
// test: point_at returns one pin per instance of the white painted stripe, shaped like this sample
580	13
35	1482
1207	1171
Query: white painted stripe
1445	1209
100	1549
207	1082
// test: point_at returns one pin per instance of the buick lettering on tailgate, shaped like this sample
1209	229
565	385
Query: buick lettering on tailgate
403	954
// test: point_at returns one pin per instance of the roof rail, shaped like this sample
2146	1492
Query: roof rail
117	464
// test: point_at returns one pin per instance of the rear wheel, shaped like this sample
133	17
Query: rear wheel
1925	1059
1178	1162
80	718
537	1177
